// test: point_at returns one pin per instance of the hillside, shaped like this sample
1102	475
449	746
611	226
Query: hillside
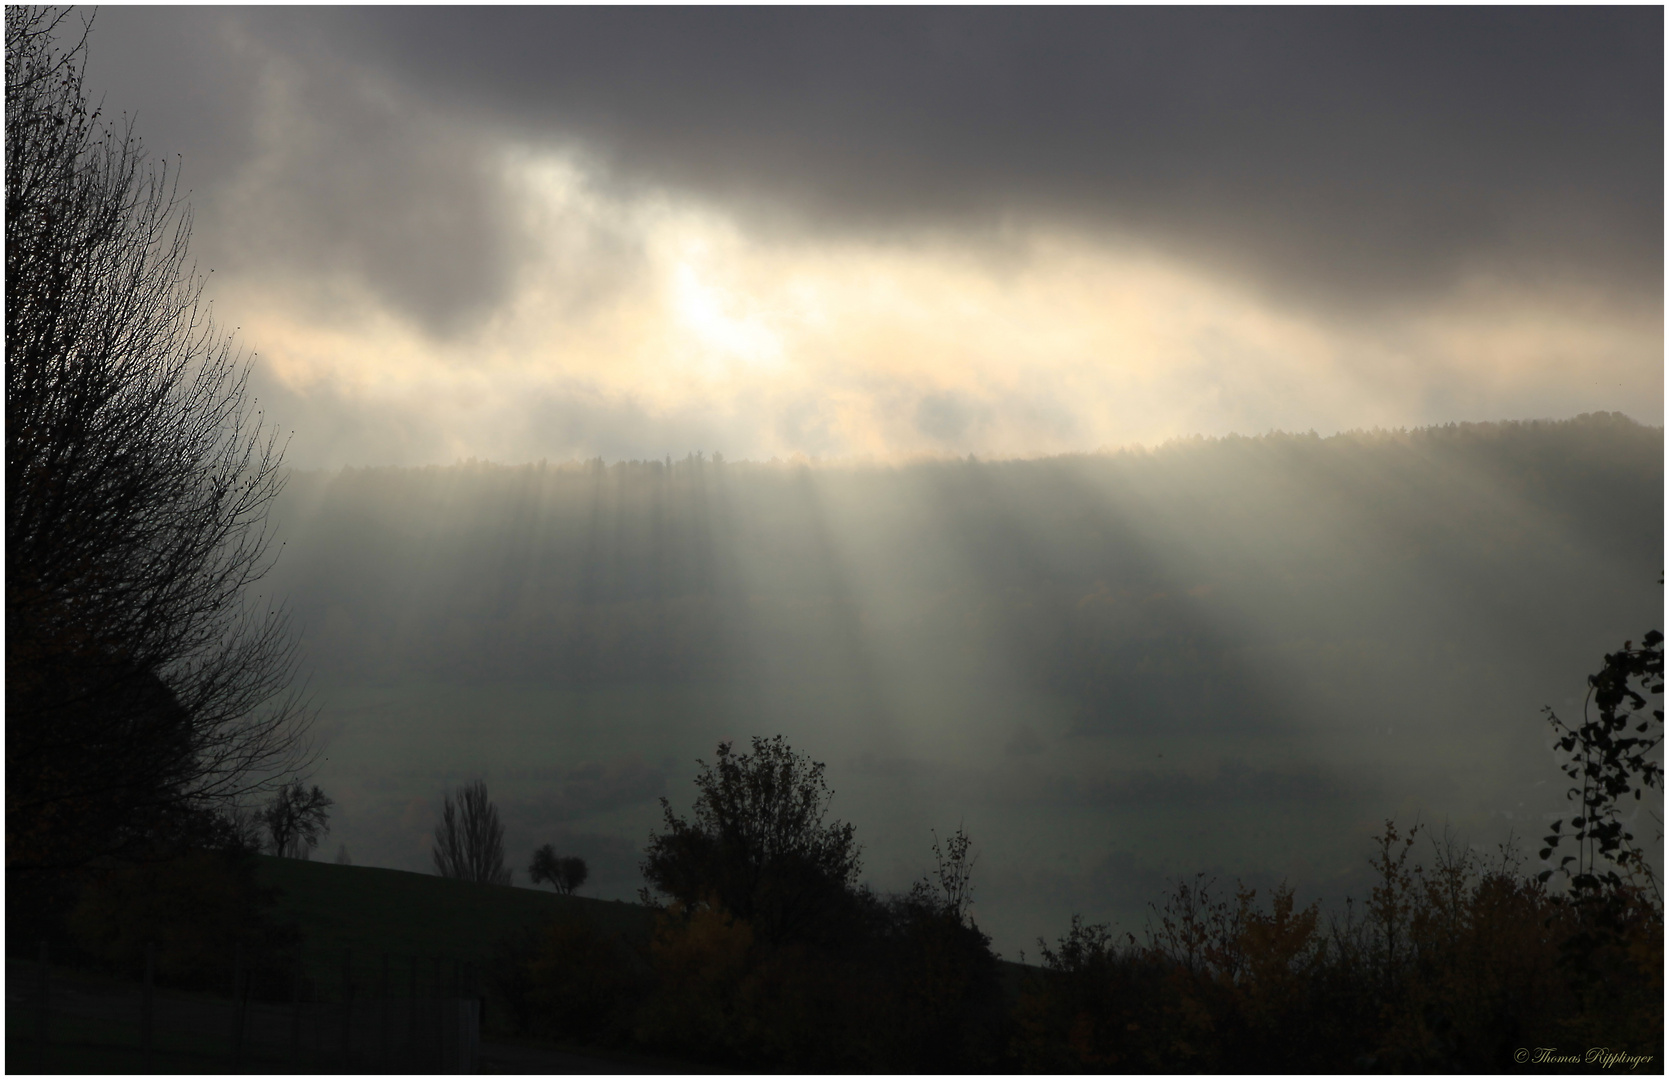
404	914
374	911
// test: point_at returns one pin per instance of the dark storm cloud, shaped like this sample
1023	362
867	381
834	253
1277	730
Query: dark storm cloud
382	196
1341	153
1380	146
588	789
1235	782
302	159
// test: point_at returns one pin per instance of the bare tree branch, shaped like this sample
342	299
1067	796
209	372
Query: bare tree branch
144	682
469	841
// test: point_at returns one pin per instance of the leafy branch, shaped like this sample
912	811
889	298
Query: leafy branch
1608	758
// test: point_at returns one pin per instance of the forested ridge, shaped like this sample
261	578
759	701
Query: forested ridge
1102	577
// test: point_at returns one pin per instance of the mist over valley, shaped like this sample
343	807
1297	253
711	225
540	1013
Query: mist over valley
1236	654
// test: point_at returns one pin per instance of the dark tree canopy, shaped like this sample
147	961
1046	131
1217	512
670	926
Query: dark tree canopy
759	846
571	873
469	841
143	682
565	872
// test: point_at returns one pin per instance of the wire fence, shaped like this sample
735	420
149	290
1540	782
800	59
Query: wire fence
382	1013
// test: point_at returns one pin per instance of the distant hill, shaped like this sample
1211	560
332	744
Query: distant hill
1093	575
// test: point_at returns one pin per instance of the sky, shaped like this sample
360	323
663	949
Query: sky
879	234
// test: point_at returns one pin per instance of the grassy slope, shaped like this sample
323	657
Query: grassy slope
372	911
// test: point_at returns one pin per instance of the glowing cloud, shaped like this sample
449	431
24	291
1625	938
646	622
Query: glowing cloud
664	311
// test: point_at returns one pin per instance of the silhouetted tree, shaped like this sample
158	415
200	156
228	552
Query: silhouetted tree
140	686
296	820
951	889
565	872
469	841
543	867
758	845
1608	759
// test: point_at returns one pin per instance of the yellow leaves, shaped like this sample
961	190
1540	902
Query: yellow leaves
702	957
1272	944
1081	1038
706	944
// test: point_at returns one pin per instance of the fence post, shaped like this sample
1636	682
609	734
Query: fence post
347	1007
243	1005
477	1010
440	1014
295	1013
43	1018
411	1018
237	1017
382	992
147	1011
470	1038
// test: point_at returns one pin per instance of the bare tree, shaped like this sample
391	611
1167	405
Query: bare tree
953	892
565	872
296	820
144	685
469	841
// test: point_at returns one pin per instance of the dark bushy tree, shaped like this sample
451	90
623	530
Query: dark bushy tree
571	873
565	872
141	686
758	845
469	841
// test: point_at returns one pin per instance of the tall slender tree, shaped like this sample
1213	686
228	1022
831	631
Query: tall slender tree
145	685
469	841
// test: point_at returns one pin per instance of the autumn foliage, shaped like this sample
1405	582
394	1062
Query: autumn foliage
1450	965
767	955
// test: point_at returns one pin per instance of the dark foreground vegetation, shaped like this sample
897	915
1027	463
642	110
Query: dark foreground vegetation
756	948
767	957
